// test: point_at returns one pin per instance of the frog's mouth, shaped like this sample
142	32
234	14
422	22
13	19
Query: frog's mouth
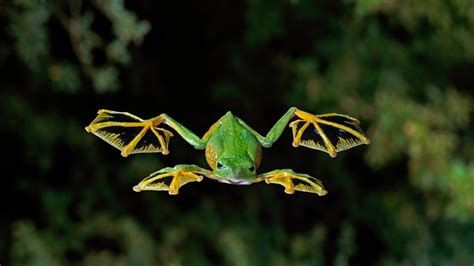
236	181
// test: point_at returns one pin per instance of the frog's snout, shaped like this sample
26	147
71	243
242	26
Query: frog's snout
235	176
236	181
239	177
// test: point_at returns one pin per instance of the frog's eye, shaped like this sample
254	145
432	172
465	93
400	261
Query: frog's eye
219	165
251	169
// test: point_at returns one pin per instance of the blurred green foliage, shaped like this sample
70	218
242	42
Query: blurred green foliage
28	25
403	67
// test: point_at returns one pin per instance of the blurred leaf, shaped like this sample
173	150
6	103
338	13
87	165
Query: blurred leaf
460	182
117	52
264	21
105	79
346	245
29	248
125	23
65	77
28	28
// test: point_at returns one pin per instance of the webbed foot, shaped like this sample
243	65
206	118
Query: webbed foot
171	179
129	133
294	182
330	133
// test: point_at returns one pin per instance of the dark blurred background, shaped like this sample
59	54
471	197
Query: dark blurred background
404	68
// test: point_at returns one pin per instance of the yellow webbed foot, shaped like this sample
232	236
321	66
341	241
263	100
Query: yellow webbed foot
171	179
294	182
129	133
170	182
330	133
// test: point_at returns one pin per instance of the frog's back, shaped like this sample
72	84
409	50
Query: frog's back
233	144
233	134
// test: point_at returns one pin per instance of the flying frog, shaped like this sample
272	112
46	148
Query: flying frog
233	149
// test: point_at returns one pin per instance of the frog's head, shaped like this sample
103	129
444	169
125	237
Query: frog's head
236	167
235	170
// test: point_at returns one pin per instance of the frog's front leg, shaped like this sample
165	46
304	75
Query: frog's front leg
131	134
330	133
171	179
293	181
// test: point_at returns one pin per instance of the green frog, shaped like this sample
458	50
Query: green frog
233	149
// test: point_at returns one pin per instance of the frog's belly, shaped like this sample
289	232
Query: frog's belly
236	181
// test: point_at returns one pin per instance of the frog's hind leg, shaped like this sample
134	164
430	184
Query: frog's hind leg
294	182
171	179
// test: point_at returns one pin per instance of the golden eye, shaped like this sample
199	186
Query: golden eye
211	156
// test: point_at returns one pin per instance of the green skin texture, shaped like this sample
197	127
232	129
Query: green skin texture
236	149
236	146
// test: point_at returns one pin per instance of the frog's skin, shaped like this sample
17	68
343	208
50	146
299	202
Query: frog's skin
233	149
